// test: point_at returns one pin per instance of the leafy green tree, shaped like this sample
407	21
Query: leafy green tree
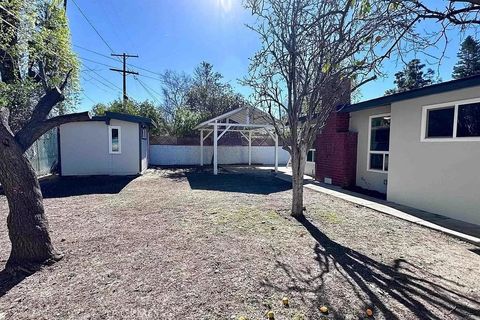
184	122
412	77
35	54
209	95
144	109
468	59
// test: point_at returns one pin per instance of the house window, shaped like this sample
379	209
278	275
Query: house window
468	120
115	139
452	121
311	155
440	122
379	143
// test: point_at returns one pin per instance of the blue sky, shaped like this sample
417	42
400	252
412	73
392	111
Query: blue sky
177	35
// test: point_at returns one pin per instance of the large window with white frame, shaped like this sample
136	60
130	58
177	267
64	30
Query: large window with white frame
451	121
378	142
115	139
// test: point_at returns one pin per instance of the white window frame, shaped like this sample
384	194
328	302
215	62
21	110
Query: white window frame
144	133
369	152
110	128
455	105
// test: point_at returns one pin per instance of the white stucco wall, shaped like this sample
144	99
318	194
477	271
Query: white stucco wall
439	177
85	151
190	155
367	179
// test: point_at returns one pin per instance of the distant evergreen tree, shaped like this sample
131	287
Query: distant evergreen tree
412	77
468	59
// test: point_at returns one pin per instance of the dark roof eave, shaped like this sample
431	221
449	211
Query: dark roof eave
125	117
416	93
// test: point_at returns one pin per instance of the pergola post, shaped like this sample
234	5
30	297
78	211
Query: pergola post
201	148
276	152
249	148
215	143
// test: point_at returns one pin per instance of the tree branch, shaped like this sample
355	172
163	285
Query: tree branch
30	133
4	116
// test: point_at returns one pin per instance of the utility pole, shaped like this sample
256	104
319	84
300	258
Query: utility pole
124	72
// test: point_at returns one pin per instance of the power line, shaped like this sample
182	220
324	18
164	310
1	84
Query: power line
101	82
94	84
91	24
146	89
152	72
150	88
93	61
149	77
109	57
98	74
95	52
86	96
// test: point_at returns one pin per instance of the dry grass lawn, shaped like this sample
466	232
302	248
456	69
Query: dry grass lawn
179	244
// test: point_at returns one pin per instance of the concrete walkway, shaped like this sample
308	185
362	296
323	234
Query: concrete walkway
462	230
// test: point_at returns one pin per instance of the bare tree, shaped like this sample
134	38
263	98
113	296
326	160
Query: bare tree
175	88
455	12
315	52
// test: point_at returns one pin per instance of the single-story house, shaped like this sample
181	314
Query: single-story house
113	144
421	148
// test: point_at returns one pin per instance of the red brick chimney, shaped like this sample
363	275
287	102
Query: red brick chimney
336	150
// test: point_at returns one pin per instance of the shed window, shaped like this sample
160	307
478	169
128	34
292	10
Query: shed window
453	121
144	133
115	139
379	142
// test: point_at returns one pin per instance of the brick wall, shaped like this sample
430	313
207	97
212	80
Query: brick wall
336	155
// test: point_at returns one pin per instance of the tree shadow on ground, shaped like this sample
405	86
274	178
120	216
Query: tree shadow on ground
385	288
237	182
8	281
61	187
262	183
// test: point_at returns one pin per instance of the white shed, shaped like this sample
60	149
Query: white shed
114	144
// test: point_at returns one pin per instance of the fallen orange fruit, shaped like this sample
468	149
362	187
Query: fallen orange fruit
369	312
270	315
324	309
285	301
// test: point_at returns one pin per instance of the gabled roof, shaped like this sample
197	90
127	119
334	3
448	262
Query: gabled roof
238	117
416	93
124	117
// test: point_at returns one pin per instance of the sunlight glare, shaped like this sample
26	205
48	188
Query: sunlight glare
225	5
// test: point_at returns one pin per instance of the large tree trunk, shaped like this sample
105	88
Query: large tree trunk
27	224
299	156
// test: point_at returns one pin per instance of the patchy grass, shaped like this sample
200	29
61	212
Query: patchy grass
180	244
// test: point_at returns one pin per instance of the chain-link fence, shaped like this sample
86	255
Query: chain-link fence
43	154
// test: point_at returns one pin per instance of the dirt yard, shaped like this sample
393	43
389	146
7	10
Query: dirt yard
177	244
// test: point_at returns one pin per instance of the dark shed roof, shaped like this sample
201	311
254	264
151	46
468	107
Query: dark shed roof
416	93
124	117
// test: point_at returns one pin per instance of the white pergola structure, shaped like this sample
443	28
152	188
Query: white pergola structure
247	121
